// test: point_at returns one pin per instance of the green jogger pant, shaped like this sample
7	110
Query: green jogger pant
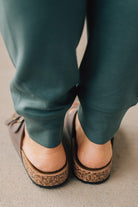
41	38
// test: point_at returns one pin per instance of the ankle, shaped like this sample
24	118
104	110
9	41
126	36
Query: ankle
43	158
90	154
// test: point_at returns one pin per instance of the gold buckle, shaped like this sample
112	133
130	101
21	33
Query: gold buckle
18	118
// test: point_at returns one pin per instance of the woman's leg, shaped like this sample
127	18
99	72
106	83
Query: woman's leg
41	38
109	70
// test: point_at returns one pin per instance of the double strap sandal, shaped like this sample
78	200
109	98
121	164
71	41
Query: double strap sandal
83	173
16	126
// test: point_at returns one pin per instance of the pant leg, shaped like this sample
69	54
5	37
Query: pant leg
41	38
109	70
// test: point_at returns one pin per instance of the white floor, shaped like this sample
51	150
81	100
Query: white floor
16	189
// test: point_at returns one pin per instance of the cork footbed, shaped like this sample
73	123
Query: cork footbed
45	179
89	175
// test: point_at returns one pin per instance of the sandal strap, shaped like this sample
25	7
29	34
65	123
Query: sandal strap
16	127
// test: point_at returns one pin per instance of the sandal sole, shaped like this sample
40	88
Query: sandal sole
89	175
45	179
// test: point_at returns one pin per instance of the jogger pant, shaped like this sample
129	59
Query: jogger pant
41	38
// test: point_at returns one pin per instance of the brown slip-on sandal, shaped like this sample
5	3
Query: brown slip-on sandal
83	173
16	126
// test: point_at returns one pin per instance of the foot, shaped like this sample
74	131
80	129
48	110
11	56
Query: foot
43	158
90	154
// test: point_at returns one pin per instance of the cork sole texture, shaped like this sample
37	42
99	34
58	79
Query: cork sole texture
45	179
88	175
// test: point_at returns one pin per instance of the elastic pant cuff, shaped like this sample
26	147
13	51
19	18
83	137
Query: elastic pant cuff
100	126
46	135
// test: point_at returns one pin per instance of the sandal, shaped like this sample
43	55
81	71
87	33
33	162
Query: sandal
16	126
83	173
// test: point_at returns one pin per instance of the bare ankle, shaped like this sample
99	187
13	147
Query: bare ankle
90	154
43	158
